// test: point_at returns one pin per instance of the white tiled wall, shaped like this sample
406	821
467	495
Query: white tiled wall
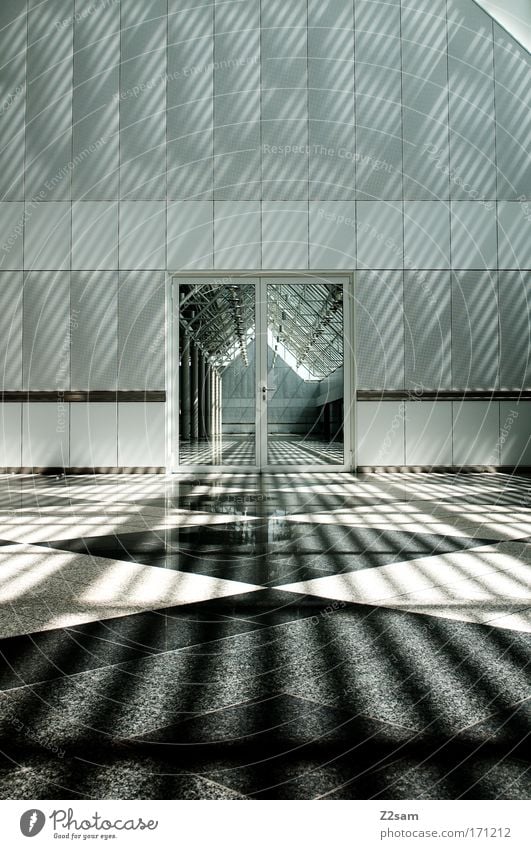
391	138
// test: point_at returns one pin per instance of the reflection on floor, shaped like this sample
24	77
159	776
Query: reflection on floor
274	636
282	451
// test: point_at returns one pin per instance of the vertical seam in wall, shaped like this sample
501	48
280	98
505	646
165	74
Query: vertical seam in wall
308	252
354	93
166	176
24	165
70	241
450	270
261	186
403	203
214	112
118	263
308	170
497	288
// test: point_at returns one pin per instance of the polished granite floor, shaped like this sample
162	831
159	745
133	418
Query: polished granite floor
279	636
239	450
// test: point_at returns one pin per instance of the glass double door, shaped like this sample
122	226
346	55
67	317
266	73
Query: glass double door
262	378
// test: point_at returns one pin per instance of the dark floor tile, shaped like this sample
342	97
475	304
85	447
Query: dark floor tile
429	674
46	655
121	778
469	777
508	731
280	747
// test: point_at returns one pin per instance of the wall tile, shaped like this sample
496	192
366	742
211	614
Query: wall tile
284	234
512	66
142	234
515	330
425	99
93	435
94	329
237	101
379	330
141	434
331	100
11	434
428	433
11	231
13	41
475	355
427	308
284	100
47	236
380	433
472	120
141	331
11	290
515	433
476	429
190	93
514	235
473	235
380	241
190	234
94	235
378	100
49	72
237	234
143	100
45	434
96	100
427	234
332	234
46	331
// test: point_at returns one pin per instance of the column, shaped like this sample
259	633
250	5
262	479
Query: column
185	386
194	390
202	396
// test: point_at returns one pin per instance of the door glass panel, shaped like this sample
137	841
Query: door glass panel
305	372
217	373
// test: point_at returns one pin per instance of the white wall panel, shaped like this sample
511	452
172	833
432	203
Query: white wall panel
476	431
428	433
284	234
190	234
141	434
11	434
47	235
49	70
237	234
13	42
94	235
93	434
380	433
45	434
96	100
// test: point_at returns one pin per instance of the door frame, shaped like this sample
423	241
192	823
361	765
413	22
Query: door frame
225	276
